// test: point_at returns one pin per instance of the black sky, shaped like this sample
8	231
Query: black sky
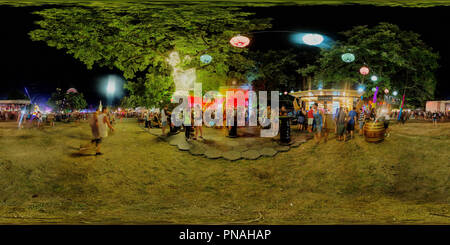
42	68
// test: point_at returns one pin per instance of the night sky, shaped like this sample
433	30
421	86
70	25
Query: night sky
42	69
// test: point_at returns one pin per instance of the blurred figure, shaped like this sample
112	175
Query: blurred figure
164	120
198	116
351	121
340	124
319	123
361	120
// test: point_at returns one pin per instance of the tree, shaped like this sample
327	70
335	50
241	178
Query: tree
137	40
274	69
62	101
399	58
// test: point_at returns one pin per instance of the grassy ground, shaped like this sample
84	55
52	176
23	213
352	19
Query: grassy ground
393	3
140	179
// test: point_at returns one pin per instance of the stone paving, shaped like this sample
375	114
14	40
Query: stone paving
215	143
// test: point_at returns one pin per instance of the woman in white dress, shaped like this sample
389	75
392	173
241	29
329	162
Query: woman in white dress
103	125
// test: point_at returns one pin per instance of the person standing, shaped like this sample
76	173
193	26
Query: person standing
310	119
39	119
146	115
435	118
340	124
361	121
318	118
163	120
187	124
351	122
198	117
103	125
300	119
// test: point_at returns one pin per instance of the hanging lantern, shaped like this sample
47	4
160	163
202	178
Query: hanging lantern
71	90
386	91
240	41
374	78
348	57
206	59
364	70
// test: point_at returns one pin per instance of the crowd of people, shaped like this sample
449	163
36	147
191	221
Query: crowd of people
163	119
346	121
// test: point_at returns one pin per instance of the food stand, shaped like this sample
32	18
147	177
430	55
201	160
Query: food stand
329	100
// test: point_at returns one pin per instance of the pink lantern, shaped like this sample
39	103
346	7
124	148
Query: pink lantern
364	70
386	91
71	90
240	41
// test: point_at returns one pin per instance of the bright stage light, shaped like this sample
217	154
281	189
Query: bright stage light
312	39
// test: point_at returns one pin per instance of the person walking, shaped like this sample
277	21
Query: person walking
96	139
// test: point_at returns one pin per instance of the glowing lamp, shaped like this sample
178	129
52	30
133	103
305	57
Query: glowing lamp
395	93
374	78
364	70
373	89
312	39
348	57
206	59
285	92
386	91
111	87
71	90
240	41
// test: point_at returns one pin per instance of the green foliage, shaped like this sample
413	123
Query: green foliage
274	69
61	101
138	39
399	58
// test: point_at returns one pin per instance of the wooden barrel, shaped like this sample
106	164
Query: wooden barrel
374	132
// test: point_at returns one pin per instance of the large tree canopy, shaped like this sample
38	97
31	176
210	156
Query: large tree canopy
62	101
138	39
399	58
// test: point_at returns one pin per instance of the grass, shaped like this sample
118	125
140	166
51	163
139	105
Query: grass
142	180
119	3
